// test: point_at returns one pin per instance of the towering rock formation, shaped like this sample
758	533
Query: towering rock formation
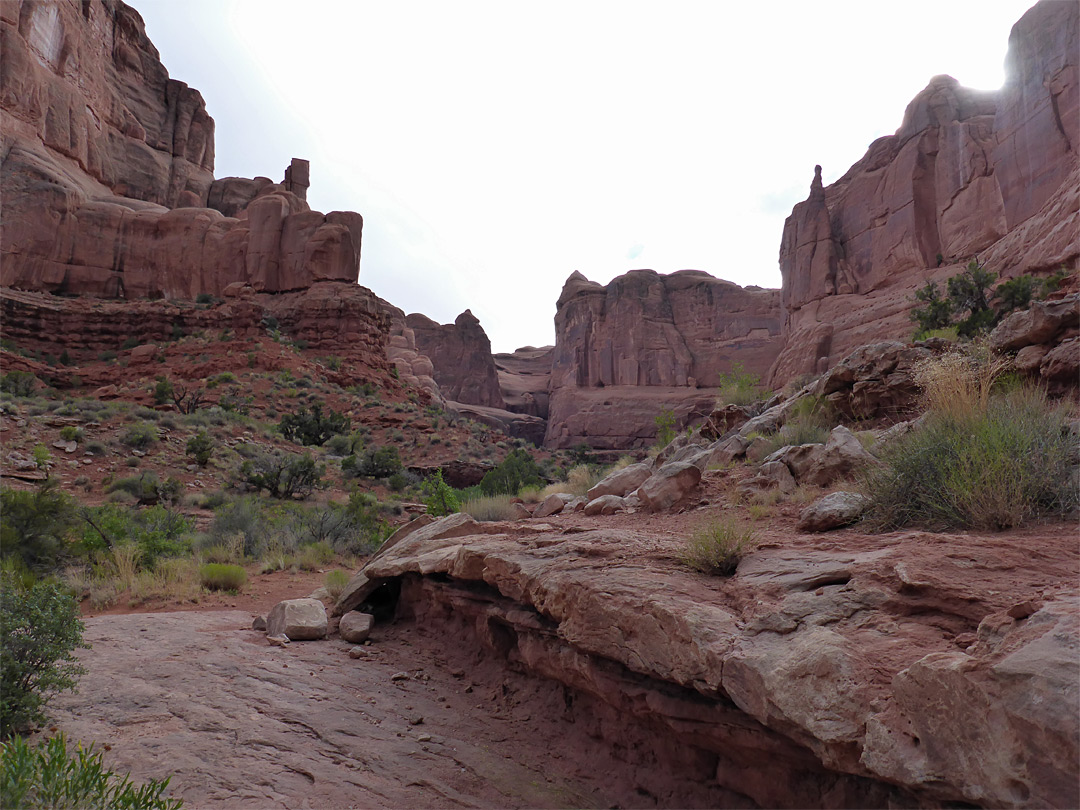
645	343
461	355
107	172
968	172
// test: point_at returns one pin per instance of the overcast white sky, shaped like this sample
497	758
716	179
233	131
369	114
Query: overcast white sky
495	147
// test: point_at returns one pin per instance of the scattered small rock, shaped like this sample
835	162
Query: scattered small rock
358	652
278	641
400	676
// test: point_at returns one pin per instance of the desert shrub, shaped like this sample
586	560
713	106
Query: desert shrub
49	776
335	582
140	436
36	525
95	448
18	383
242	518
375	462
439	497
70	433
313	427
201	448
739	387
157	531
531	494
715	547
808	422
489	507
992	467
665	427
314	556
579	480
148	489
222	577
400	481
517	470
342	445
39	631
283	476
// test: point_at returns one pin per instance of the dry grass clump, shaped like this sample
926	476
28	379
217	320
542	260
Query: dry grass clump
980	460
222	577
959	383
578	481
715	547
490	508
335	582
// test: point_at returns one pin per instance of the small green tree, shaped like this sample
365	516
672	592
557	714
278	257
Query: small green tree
314	427
439	497
665	427
39	631
1014	294
282	476
18	383
936	312
517	470
201	447
163	390
35	526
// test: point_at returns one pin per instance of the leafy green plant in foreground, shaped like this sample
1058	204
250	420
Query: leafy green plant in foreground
39	631
48	775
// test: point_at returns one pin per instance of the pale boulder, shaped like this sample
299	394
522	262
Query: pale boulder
669	485
297	620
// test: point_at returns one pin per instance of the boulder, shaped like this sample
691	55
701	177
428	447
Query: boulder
669	485
1037	324
621	481
297	619
771	475
842	455
355	627
831	512
799	459
1062	363
605	505
521	511
724	451
553	504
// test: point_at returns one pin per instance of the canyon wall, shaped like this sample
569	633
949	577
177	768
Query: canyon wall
646	343
968	173
461	355
107	172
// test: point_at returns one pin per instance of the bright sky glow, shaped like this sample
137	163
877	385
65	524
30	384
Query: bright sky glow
495	147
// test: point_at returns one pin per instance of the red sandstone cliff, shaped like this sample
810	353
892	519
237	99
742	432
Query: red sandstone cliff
107	166
460	353
647	342
995	174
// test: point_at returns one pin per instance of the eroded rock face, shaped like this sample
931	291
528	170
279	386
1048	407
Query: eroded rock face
524	379
107	172
967	172
460	354
645	333
903	669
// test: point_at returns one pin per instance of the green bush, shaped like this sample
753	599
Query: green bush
439	497
809	422
739	386
313	428
665	428
48	776
39	631
282	476
36	525
163	390
222	577
140	436
147	488
376	462
336	581
517	470
156	531
18	383
989	468
717	546
70	433
201	447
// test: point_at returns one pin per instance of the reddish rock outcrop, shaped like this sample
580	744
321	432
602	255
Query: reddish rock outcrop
645	343
107	166
460	354
524	379
967	172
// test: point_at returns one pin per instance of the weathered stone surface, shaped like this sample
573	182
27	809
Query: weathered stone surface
797	458
460	354
835	510
621	481
1062	363
875	380
669	485
771	475
524	379
515	425
646	333
967	172
297	619
605	505
842	455
1040	323
107	170
552	504
725	451
355	627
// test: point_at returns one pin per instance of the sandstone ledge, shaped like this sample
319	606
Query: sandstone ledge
888	669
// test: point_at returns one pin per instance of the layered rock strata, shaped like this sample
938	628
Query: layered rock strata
107	172
904	669
968	172
525	378
460	354
645	343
